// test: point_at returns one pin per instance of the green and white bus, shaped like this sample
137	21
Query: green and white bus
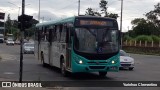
79	44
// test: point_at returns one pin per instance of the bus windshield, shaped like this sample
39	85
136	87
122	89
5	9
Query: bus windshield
96	40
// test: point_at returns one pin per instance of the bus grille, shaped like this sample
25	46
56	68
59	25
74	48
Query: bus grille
96	67
97	62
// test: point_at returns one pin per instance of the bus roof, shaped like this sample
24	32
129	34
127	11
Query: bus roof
70	19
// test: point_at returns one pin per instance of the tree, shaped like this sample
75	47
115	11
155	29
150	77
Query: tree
149	26
136	21
112	15
90	12
8	25
154	15
30	31
103	12
143	27
103	6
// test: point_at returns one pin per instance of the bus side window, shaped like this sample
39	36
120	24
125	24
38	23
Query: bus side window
36	34
63	34
39	35
67	34
54	33
45	34
57	33
60	32
42	34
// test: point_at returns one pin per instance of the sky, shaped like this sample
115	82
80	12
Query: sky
58	9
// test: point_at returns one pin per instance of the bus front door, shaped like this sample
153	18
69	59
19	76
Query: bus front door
69	49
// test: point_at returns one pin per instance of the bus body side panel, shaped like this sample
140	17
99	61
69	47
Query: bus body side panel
94	65
55	55
45	50
36	50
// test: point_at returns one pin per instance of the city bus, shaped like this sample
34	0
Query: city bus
79	44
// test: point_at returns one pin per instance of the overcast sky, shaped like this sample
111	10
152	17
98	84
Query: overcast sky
57	9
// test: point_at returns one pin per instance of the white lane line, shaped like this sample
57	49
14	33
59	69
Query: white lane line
9	73
8	57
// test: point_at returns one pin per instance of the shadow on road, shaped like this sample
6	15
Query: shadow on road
79	76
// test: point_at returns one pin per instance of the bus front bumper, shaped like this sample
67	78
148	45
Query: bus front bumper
95	68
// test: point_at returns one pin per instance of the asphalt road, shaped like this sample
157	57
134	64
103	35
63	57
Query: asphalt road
147	68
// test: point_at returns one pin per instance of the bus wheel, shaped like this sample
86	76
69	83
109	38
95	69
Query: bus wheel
42	59
63	68
102	74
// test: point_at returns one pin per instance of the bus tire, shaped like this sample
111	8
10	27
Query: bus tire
63	68
42	59
102	74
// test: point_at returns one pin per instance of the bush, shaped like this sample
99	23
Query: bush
126	37
155	38
144	38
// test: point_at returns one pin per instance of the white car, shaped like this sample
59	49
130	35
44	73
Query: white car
28	48
126	61
9	42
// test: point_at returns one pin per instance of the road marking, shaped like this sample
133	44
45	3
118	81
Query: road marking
10	73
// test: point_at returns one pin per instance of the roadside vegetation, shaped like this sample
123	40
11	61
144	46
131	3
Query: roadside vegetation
144	37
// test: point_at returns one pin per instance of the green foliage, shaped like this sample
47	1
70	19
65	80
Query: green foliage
91	12
8	24
112	15
144	38
136	21
103	6
144	27
155	38
103	12
153	16
149	26
128	38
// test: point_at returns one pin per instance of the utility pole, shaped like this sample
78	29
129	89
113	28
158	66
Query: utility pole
39	11
121	21
78	7
21	47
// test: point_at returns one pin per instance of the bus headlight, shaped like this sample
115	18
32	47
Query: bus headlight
80	61
113	62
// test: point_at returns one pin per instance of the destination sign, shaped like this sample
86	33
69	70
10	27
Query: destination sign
94	22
